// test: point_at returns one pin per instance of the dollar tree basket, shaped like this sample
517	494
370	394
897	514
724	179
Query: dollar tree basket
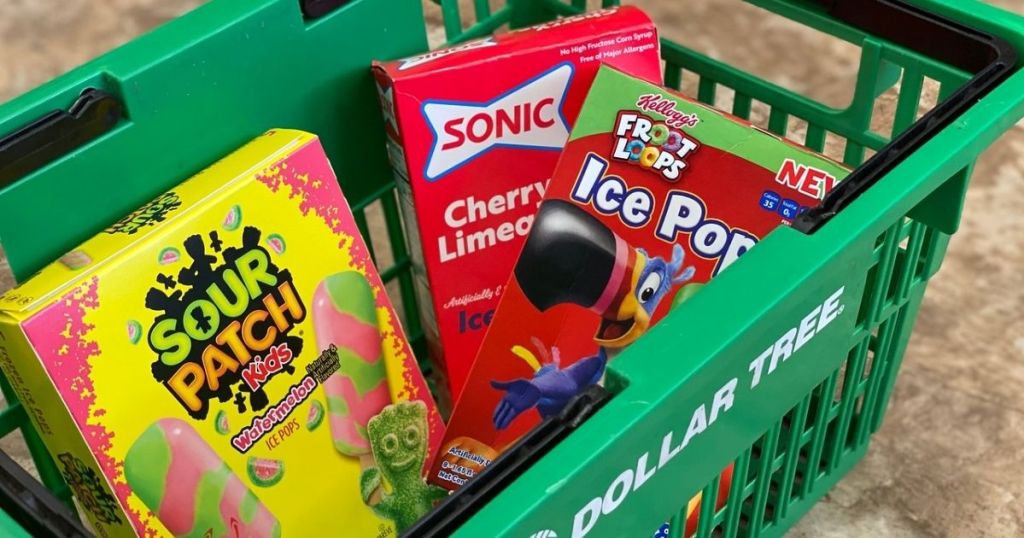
88	147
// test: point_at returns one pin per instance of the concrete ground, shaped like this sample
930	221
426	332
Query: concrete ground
949	460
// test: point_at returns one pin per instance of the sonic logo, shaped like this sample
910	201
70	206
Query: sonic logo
528	116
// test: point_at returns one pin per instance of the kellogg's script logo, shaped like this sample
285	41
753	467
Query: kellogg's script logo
230	324
152	213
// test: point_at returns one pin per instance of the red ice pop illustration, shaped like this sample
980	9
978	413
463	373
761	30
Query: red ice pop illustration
190	488
345	316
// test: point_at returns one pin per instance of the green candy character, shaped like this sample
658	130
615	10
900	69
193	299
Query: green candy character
398	440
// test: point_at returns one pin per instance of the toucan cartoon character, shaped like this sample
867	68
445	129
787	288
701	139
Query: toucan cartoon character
570	257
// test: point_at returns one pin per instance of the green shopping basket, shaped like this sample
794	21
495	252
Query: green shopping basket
90	146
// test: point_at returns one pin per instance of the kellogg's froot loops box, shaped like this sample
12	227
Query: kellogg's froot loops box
225	362
474	133
653	196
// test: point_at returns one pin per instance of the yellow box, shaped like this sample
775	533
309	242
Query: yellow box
225	362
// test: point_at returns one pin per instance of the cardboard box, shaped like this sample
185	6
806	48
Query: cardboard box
225	361
653	196
474	134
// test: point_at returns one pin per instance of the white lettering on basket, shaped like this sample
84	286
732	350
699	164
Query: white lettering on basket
704	416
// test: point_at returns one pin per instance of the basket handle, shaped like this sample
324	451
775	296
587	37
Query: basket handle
989	57
459	507
57	133
314	9
34	507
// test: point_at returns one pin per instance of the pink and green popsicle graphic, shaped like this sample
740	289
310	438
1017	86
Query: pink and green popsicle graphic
190	488
345	315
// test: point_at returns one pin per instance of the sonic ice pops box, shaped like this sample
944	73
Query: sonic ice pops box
653	196
224	362
474	134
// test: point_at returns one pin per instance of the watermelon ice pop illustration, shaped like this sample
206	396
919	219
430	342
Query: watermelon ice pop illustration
265	472
168	256
233	219
345	319
190	489
221	423
276	243
316	416
134	331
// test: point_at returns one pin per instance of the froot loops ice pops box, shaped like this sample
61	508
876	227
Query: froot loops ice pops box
224	361
653	196
474	133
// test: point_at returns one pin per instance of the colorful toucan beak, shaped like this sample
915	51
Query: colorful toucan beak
624	320
570	257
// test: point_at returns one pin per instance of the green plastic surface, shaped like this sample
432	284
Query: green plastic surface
207	82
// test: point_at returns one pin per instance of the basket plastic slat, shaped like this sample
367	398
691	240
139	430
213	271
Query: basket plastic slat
936	252
883	274
875	386
947	88
482	8
854	154
764	479
736	494
883	355
485	27
709	501
815	137
909	99
706	90
391	273
793	448
906	227
12	418
673	75
401	252
396	238
48	473
904	325
854	371
741	105
364	229
778	120
677	525
821	419
452	19
913	256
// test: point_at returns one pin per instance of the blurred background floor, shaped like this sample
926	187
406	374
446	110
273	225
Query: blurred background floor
949	460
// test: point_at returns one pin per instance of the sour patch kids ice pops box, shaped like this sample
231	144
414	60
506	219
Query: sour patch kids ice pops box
224	362
474	133
653	196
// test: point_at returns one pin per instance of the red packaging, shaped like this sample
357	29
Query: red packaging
653	196
474	134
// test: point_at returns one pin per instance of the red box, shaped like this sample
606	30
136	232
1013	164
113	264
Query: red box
652	197
474	135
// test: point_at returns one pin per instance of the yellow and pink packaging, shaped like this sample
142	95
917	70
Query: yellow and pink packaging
225	362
